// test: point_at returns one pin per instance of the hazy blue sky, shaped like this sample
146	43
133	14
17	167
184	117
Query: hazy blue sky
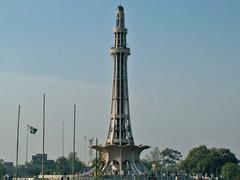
183	72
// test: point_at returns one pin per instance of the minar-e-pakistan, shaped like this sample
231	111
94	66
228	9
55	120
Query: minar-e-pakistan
121	155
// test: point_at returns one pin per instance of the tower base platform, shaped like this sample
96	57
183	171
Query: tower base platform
121	160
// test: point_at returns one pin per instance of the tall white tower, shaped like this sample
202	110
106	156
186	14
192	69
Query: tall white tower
121	155
120	131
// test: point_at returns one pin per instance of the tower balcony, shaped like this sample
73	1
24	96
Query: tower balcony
119	29
115	50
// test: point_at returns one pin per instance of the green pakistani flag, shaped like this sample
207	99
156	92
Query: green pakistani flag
32	130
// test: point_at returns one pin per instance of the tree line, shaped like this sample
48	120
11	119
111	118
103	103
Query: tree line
62	165
199	160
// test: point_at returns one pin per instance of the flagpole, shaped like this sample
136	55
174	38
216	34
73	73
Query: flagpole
26	152
17	141
63	138
74	131
96	168
43	137
85	150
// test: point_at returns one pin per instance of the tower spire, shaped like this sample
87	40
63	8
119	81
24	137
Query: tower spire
120	19
120	131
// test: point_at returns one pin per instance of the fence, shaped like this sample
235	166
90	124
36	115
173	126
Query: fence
69	177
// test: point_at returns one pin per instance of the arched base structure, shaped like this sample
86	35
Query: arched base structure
122	160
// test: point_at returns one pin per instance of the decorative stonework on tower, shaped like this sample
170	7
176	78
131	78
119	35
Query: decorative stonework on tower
121	156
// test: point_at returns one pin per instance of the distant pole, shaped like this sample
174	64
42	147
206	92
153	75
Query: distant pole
43	145
85	150
17	140
63	138
96	168
26	152
74	131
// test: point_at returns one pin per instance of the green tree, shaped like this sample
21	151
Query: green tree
203	160
100	163
34	169
2	169
229	171
195	159
147	164
78	164
62	166
164	160
170	157
154	157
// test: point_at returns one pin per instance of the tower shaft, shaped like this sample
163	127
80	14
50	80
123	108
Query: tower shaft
120	131
120	155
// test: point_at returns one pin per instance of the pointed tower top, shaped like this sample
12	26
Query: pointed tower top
120	22
120	8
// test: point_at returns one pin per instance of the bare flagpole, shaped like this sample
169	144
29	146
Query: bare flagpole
74	131
17	141
43	145
85	150
96	168
63	138
26	152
